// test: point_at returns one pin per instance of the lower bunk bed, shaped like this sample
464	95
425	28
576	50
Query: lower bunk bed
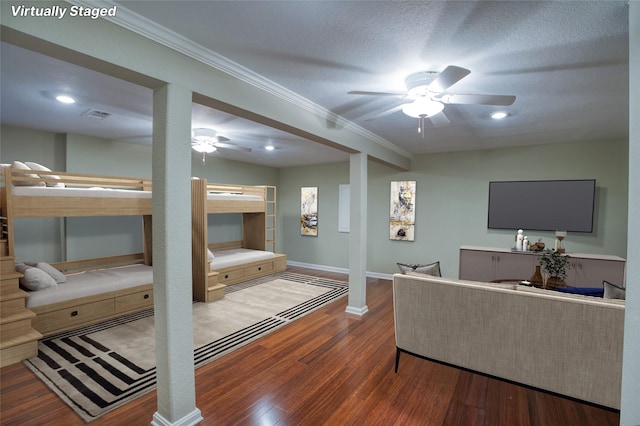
232	265
91	291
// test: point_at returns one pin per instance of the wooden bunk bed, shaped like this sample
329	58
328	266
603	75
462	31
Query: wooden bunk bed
43	193
258	209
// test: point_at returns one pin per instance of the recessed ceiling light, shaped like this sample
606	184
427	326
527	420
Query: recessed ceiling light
269	147
65	99
499	115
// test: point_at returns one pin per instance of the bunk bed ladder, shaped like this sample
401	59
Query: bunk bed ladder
270	218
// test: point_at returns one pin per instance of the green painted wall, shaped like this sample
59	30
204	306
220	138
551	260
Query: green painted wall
39	238
451	204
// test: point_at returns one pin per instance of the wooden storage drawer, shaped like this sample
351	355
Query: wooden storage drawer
260	269
72	317
232	276
130	302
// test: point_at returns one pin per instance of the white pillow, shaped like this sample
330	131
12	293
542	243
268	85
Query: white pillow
40	167
21	267
19	165
210	255
58	276
36	279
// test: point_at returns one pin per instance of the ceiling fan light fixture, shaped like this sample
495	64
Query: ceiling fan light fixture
204	147
269	147
423	107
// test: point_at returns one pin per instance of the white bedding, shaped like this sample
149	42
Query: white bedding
43	191
233	257
231	196
90	283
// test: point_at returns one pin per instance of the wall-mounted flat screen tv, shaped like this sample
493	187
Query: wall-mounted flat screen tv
542	205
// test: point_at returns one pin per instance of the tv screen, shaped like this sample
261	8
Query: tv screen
543	205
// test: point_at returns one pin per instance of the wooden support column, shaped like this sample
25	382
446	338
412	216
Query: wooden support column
171	170
358	235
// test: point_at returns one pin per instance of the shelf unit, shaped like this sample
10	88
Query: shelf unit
489	263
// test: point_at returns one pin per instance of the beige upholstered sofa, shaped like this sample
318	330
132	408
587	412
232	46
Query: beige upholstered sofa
566	344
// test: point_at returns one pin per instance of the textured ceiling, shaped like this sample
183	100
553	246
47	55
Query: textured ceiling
566	63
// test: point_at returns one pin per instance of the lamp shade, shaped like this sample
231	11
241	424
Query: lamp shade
423	107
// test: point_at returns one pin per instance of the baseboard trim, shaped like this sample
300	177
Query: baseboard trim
357	311
377	275
191	419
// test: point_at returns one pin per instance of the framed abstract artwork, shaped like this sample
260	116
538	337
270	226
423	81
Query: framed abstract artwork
402	217
309	211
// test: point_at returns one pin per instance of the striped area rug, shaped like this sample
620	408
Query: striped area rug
98	368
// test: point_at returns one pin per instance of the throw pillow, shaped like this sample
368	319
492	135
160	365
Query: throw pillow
35	279
58	276
612	291
428	269
40	167
19	165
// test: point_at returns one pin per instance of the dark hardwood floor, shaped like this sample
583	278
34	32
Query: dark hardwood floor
326	368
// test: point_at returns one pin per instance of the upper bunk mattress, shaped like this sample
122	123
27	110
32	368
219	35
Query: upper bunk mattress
227	196
90	283
46	191
234	257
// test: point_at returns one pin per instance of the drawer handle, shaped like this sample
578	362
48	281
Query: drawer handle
74	313
146	296
260	268
226	276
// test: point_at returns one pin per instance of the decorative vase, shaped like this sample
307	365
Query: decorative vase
536	278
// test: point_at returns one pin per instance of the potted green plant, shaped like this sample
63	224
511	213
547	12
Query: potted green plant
556	265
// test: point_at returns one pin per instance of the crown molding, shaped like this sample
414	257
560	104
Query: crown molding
149	29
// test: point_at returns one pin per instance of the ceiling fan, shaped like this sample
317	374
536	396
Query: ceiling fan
207	141
426	96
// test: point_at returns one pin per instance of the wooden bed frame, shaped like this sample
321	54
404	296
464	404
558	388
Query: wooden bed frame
16	318
257	234
35	206
70	314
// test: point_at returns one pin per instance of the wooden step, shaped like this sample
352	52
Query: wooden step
7	265
18	339
11	293
4	247
16	316
12	305
215	292
14	330
19	348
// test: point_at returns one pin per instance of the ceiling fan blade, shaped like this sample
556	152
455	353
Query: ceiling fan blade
230	146
359	92
439	120
385	112
447	78
501	100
